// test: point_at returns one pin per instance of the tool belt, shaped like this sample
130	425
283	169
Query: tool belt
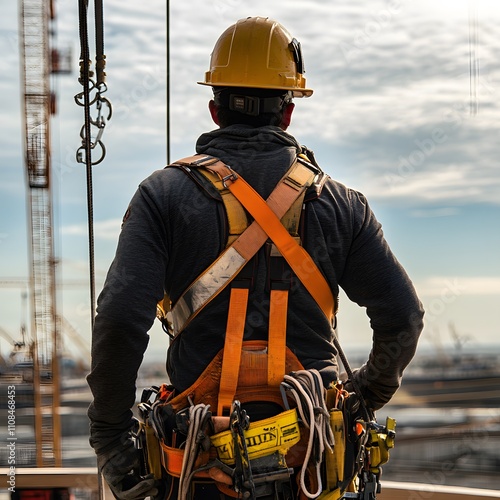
275	441
277	444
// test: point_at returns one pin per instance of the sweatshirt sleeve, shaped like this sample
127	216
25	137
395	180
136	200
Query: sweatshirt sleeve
126	310
374	279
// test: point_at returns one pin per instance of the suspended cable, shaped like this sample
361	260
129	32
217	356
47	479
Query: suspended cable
100	59
84	152
86	147
168	79
92	95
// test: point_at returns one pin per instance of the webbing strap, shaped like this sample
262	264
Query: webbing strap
298	259
220	273
232	349
276	349
236	216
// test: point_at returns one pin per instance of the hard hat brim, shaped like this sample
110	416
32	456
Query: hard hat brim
296	92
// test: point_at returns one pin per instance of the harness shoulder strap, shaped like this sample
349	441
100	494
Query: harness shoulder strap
220	273
298	259
212	185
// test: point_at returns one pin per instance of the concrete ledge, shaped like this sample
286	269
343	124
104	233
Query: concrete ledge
86	478
422	491
53	477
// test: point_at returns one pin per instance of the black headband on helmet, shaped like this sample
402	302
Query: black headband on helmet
251	101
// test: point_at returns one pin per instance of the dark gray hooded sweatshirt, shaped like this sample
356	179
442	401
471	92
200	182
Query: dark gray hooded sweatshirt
173	231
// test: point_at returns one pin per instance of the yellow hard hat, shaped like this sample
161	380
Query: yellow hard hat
257	52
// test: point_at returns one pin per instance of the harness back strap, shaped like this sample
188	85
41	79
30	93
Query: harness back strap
276	350
298	259
232	349
220	273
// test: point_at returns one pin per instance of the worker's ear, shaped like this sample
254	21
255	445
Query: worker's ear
287	115
213	111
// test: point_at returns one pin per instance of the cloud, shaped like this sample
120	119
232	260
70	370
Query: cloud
105	230
450	183
386	78
436	212
450	287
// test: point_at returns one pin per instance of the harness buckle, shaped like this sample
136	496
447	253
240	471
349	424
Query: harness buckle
231	177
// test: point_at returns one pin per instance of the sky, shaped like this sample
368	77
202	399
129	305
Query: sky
395	114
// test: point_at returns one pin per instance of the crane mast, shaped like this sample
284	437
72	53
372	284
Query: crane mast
35	56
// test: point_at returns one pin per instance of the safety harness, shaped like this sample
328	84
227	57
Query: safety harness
219	443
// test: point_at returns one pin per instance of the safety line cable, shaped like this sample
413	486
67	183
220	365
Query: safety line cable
86	100
350	375
167	22
86	142
100	59
84	153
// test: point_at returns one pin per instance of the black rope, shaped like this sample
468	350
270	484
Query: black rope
350	374
100	60
88	85
85	82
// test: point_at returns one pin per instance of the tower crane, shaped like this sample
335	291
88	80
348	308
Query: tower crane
38	60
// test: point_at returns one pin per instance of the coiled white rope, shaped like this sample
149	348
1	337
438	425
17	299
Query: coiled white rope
306	387
198	417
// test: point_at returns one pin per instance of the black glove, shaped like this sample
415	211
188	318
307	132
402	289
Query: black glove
373	400
356	409
121	468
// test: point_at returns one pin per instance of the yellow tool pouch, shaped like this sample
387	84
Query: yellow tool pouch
153	452
278	433
380	442
361	448
147	441
334	461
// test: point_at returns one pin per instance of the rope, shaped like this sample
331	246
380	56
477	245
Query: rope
87	146
199	416
357	390
100	59
306	387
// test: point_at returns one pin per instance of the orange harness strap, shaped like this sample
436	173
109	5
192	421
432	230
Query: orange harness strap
233	344
232	349
303	266
276	350
298	259
220	273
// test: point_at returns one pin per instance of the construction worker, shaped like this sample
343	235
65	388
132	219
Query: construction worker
174	229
